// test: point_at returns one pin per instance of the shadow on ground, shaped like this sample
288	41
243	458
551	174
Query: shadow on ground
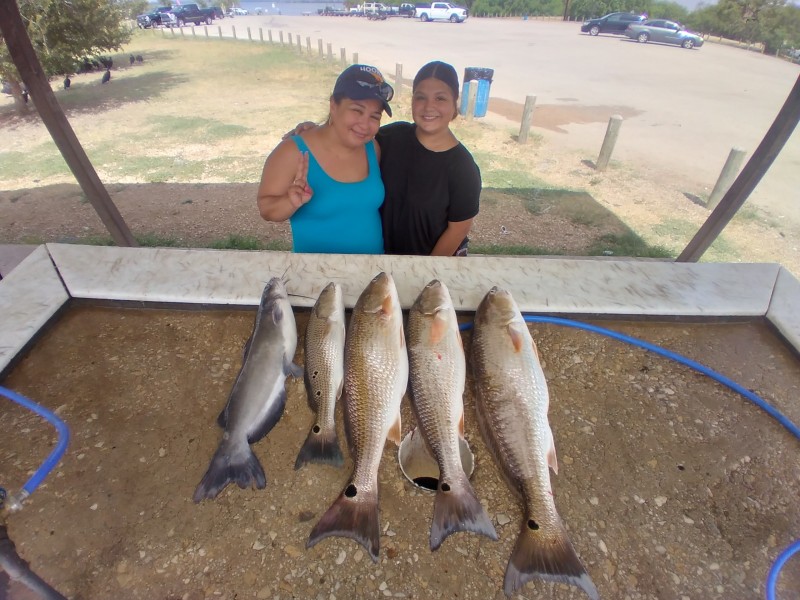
512	221
87	95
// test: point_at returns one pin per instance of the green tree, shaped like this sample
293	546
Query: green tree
62	32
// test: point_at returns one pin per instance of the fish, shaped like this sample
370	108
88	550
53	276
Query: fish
437	372
324	376
512	401
258	396
375	381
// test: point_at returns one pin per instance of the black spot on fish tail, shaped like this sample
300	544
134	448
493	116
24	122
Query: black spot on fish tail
320	447
546	555
457	508
226	467
352	516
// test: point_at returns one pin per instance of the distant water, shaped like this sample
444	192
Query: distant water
287	8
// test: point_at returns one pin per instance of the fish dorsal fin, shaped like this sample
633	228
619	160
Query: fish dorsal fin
277	313
438	327
516	335
552	461
395	430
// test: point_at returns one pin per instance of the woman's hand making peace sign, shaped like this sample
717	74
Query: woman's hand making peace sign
299	191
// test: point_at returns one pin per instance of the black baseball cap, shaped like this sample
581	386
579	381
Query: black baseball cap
363	82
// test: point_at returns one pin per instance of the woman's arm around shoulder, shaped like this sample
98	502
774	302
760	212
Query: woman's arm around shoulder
284	182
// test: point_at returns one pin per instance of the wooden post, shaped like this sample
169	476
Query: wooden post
32	74
291	43
343	54
219	28
319	43
206	29
472	96
729	172
614	123
269	33
261	34
193	32
330	53
233	28
355	58
398	77
182	34
769	148
527	117
280	36
308	45
249	35
299	44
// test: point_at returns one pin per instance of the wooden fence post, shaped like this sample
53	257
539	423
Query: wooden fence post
299	44
527	117
398	77
249	35
206	28
319	44
233	28
280	36
219	29
269	34
726	177
261	34
343	54
330	53
308	46
291	43
614	123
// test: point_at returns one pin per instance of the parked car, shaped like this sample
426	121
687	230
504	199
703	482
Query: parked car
665	32
441	11
237	12
152	19
615	23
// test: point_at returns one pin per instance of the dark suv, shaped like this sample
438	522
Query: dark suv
612	23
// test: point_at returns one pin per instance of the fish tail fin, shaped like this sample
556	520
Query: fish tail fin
547	555
457	508
230	464
321	446
352	517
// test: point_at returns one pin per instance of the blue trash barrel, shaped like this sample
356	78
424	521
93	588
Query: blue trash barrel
483	76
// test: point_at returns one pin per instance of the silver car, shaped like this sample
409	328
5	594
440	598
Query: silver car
666	32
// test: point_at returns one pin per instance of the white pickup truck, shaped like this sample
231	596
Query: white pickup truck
441	11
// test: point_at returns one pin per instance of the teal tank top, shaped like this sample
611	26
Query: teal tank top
340	218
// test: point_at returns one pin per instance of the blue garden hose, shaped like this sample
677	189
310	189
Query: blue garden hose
14	502
792	549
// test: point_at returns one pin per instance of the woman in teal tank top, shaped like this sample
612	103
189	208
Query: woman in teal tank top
327	181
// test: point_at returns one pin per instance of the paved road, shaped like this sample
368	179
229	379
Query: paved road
683	109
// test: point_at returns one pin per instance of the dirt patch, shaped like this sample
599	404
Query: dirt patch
555	116
670	485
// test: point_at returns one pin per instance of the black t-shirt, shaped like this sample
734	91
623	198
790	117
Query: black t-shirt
424	190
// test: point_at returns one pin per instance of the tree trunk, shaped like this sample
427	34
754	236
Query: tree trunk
20	105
